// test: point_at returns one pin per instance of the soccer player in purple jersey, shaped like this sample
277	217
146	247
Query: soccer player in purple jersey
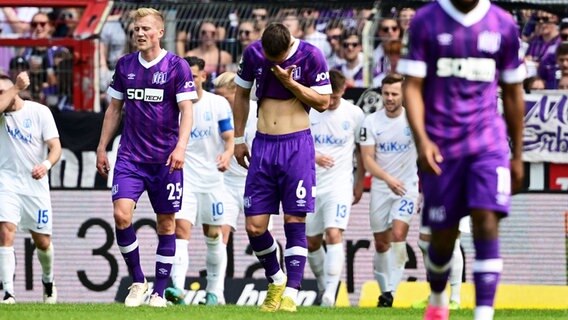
291	77
154	87
458	52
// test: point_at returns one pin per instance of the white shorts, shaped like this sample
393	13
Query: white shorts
206	208
386	207
333	209
29	213
465	226
234	204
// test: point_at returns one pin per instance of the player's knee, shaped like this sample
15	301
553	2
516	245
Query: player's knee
7	234
382	246
314	243
398	235
122	219
254	230
211	231
333	235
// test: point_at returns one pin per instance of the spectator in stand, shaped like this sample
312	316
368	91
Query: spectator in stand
66	22
42	72
59	95
112	46
404	17
392	53
311	34
388	30
216	60
533	83
247	33
292	22
260	17
333	31
554	66
352	69
14	22
563	83
544	44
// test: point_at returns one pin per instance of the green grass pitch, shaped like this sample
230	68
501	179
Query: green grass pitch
25	311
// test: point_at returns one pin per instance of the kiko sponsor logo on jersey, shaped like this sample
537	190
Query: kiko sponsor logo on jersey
146	94
329	139
393	147
198	133
16	133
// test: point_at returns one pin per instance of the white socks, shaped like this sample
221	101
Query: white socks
216	264
46	260
7	268
399	259
181	264
334	261
316	259
382	269
456	273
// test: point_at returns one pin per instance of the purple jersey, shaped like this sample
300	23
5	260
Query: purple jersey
461	58
311	71
151	92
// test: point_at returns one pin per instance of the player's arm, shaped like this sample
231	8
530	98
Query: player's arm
185	123
241	109
111	121
224	159
307	95
359	175
371	165
513	109
54	154
6	98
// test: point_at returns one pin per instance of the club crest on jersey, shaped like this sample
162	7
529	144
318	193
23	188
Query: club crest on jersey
297	73
445	39
345	125
27	123
159	77
489	41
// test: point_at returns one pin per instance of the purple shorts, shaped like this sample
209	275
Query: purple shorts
480	181
164	188
282	169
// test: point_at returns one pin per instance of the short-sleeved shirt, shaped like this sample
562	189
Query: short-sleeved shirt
311	71
22	139
151	91
461	58
206	143
335	134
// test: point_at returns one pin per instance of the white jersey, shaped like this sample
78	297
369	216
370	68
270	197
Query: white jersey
236	174
335	134
395	151
22	145
205	143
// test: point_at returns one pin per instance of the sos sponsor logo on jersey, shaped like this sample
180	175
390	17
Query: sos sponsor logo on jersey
146	94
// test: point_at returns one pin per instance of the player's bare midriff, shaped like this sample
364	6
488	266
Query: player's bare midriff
282	116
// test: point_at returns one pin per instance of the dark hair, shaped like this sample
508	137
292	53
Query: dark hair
349	33
562	49
196	61
337	80
392	78
335	23
5	77
275	39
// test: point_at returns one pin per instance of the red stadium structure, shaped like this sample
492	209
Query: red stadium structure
83	45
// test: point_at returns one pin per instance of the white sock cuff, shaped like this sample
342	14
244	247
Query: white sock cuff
316	253
423	245
6	250
213	241
336	247
182	242
296	251
128	248
399	253
489	265
46	251
436	268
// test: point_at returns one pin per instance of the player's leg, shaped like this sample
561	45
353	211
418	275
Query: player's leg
127	187
404	210
9	220
445	203
489	195
185	220
380	219
37	218
212	217
316	252
297	192
165	191
456	276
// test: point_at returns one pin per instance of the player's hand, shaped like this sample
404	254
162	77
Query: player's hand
396	186
176	159
357	192
103	166
517	175
429	156
22	81
39	171
284	75
223	161
242	155
324	161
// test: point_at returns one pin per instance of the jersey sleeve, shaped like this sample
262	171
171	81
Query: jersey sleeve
510	65
366	137
185	87
359	117
318	77
415	47
116	87
245	73
48	127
